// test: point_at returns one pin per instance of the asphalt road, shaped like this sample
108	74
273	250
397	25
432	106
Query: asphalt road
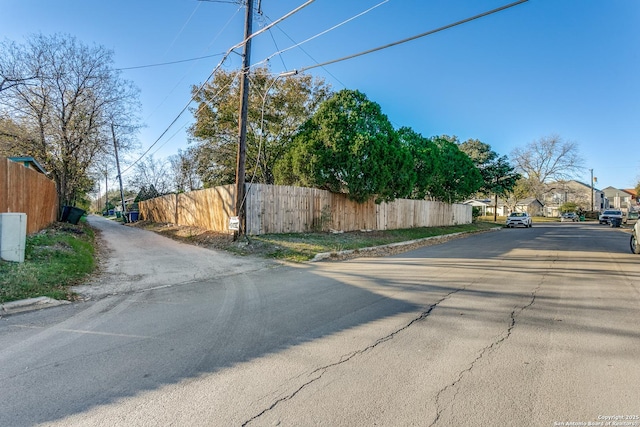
519	327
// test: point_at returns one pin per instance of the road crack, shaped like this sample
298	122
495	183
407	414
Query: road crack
317	374
491	347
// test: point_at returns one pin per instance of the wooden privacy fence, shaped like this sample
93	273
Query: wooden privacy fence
28	191
286	209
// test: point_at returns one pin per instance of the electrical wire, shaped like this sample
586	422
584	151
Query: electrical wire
201	87
183	27
276	22
427	33
202	105
178	116
327	30
310	57
170	62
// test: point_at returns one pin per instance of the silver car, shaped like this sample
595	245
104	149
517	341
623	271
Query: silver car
569	216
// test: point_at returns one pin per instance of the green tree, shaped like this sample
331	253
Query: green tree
498	176
456	177
277	108
425	160
65	112
147	193
349	146
519	192
569	207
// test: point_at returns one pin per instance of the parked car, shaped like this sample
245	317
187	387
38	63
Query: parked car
631	218
607	215
569	216
519	218
635	235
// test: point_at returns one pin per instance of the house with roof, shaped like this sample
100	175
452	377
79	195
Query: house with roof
619	199
635	198
531	205
583	195
29	163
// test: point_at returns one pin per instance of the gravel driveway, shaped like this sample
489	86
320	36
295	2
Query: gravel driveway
133	260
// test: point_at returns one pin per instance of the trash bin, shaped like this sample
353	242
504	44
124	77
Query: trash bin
74	215
65	213
581	217
133	216
118	214
615	222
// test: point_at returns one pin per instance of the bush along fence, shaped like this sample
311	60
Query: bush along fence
285	209
24	190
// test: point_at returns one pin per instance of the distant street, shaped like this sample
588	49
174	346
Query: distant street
516	327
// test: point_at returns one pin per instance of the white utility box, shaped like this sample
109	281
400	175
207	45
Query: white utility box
13	236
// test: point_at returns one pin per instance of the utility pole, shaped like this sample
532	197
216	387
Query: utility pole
106	191
592	207
115	146
242	122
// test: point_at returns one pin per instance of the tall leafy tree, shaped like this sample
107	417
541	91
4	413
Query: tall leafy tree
457	177
426	161
66	110
277	108
498	176
349	146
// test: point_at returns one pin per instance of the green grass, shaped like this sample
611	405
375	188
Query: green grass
304	246
55	259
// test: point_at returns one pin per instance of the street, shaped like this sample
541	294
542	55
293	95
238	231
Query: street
529	327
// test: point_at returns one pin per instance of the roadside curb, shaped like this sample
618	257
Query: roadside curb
330	255
29	304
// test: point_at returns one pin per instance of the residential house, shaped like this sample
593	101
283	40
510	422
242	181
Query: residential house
561	192
530	205
487	206
635	198
619	199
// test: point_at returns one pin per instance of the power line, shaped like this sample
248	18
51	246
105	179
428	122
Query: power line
437	30
185	74
327	30
170	63
201	87
299	44
310	57
182	29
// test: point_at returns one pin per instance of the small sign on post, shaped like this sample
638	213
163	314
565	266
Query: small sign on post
234	223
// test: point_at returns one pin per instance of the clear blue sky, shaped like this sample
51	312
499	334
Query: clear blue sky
564	67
